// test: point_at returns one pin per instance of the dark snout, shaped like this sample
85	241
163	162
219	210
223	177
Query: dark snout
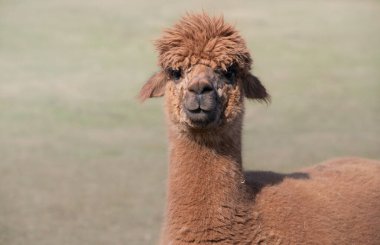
201	102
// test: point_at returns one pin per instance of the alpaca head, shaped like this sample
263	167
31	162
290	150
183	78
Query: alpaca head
205	74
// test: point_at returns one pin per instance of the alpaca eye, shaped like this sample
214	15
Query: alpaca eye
230	74
175	74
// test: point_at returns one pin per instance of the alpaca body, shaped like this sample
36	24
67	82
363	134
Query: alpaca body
211	201
336	202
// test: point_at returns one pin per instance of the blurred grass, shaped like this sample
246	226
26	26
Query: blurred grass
83	163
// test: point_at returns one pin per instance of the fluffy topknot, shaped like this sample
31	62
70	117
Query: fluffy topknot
199	38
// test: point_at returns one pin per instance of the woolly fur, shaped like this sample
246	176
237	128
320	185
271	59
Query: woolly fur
202	39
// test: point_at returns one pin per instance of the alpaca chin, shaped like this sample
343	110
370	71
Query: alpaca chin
202	119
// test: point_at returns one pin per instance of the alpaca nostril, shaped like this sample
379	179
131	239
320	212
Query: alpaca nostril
207	88
201	88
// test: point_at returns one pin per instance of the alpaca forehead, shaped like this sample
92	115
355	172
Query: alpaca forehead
180	57
200	39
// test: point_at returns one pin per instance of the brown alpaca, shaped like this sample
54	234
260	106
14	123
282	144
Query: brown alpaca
205	76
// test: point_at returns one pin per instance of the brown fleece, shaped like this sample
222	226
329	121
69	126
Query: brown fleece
210	199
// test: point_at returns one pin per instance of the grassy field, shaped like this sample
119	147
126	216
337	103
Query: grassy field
82	162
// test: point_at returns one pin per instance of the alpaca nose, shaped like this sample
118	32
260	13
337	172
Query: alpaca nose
200	102
200	87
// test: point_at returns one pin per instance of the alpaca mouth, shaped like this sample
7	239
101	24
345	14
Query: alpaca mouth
200	118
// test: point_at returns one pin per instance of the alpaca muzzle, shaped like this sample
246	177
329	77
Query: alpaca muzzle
200	103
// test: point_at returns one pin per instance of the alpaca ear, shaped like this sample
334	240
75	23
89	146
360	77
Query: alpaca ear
154	87
253	89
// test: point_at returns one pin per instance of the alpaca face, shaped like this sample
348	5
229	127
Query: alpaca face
202	97
205	74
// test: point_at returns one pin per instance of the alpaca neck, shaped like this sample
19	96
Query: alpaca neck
205	186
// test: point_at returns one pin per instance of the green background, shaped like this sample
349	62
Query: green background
82	162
